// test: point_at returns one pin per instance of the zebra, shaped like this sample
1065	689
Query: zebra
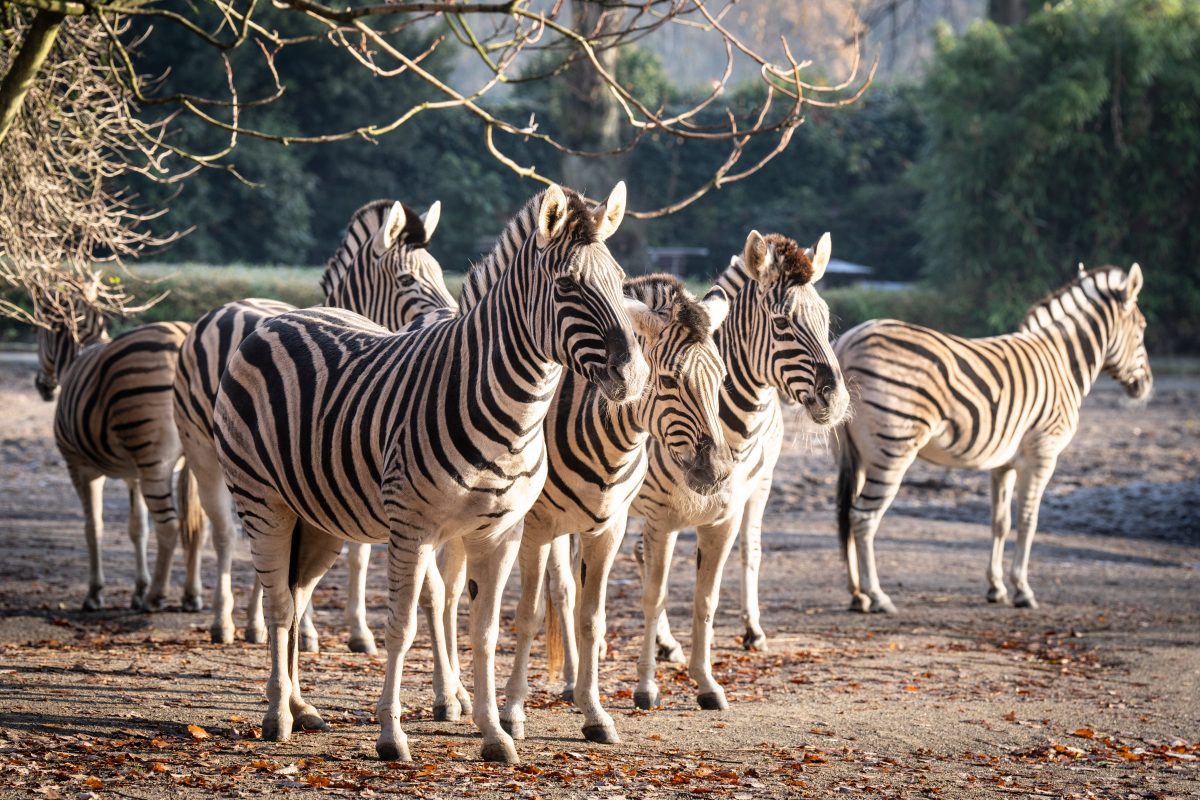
59	340
114	419
775	341
383	270
1008	404
596	460
329	427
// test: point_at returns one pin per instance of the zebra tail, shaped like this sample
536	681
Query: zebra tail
555	655
191	514
847	487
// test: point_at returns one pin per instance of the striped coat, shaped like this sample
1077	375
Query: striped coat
114	419
329	428
383	270
1008	404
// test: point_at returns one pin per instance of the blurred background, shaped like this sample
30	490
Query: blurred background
1000	144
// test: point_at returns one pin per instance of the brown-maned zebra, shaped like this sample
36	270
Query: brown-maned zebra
775	341
1008	404
331	428
382	270
596	460
114	419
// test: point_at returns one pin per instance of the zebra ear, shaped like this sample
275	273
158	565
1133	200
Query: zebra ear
430	219
1082	269
1133	286
756	255
552	216
645	321
608	216
393	228
716	303
820	259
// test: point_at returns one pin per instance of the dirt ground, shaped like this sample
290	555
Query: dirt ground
1097	694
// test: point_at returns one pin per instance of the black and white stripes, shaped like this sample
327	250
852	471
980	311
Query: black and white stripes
1008	404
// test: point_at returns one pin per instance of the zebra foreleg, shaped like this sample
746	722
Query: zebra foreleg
139	529
713	544
160	499
407	560
1003	479
1031	485
534	553
656	563
668	648
488	564
751	546
218	506
90	488
361	638
599	552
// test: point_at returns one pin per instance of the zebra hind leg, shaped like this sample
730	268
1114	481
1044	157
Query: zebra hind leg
139	526
159	494
90	488
1031	484
533	555
316	554
310	641
754	638
362	640
1003	479
667	647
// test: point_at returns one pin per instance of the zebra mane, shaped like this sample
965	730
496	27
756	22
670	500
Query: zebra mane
666	293
580	227
794	262
362	226
1094	285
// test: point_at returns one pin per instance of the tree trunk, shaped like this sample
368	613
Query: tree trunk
39	39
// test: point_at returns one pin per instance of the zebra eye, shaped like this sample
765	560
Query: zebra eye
780	324
565	284
407	280
668	382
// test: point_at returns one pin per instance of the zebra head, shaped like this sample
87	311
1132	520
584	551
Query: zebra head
1126	360
68	325
589	329
391	277
686	372
792	331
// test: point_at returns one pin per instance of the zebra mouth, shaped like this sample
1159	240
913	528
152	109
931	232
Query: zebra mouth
45	389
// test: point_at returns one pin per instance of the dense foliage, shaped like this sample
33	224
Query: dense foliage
1073	137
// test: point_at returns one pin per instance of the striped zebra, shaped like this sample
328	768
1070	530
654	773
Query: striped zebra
1008	404
775	341
330	428
595	453
382	270
60	340
113	419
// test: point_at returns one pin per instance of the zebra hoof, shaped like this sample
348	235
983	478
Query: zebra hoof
256	635
154	603
754	641
193	603
393	751
501	752
221	635
514	728
94	603
363	645
646	700
860	604
882	605
309	644
601	734
1025	600
464	702
277	729
671	653
997	596
447	712
713	701
311	721
567	696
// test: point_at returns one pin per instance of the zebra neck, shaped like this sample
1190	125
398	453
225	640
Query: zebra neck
1081	339
747	397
